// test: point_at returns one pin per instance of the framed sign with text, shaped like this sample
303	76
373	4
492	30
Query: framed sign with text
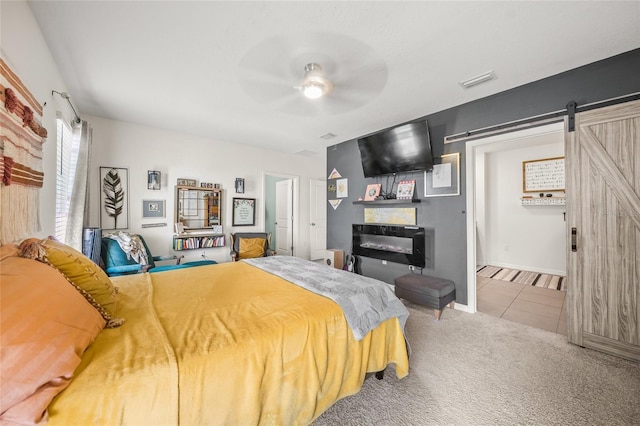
543	175
244	212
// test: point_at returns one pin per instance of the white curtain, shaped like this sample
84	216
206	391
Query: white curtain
79	203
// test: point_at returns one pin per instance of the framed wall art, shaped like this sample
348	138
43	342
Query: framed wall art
342	186
239	186
444	179
186	182
405	189
153	208
114	198
543	175
372	192
244	212
153	180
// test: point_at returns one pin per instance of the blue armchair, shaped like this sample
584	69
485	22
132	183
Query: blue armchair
117	263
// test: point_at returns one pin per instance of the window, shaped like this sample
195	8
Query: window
67	156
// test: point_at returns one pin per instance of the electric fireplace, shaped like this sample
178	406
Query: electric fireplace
400	244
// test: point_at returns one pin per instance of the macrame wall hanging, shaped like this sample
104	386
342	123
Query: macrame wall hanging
21	139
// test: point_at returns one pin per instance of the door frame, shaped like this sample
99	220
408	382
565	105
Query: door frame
473	149
323	184
295	228
284	218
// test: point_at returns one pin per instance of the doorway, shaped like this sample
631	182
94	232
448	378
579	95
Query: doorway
514	241
318	219
281	198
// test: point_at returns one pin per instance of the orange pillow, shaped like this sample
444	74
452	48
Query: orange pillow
251	247
7	250
89	279
46	326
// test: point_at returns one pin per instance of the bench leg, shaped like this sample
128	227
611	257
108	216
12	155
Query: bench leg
438	312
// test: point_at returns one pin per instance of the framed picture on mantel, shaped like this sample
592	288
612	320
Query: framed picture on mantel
373	190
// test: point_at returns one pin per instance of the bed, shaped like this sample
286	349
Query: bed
233	343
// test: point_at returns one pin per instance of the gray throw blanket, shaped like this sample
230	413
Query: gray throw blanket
366	302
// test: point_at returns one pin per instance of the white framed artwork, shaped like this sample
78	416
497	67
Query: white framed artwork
444	179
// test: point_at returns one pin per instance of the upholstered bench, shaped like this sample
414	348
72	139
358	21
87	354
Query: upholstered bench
424	290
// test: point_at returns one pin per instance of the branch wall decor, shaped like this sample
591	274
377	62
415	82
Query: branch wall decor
114	202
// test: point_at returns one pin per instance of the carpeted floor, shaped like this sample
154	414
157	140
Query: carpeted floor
475	369
554	282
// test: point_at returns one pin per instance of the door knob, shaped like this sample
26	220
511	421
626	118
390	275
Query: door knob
313	224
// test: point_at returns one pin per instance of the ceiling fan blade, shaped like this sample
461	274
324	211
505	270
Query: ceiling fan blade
366	79
267	92
266	59
272	72
273	76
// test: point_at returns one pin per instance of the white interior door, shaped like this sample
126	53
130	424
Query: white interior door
317	219
284	217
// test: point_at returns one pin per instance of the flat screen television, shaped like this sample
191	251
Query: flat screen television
405	148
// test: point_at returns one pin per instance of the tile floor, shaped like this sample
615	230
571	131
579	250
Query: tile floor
538	307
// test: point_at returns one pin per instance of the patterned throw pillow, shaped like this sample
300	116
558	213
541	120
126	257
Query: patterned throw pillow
251	247
91	281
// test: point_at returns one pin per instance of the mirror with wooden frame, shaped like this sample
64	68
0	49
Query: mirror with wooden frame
198	208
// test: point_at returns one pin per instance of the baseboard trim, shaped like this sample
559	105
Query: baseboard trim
611	346
463	308
528	268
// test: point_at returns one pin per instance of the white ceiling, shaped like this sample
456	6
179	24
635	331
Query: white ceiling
228	70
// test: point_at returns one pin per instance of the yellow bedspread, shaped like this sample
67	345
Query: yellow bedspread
223	344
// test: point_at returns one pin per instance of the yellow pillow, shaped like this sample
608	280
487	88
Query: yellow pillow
251	247
88	278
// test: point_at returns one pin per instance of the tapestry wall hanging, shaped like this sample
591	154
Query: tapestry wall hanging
114	198
21	139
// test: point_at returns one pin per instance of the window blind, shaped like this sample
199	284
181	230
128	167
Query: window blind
67	156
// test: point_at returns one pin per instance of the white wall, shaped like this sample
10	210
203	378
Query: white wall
25	51
140	148
524	237
177	155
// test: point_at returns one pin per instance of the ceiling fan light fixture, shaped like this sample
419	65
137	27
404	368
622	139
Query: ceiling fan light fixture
313	89
315	85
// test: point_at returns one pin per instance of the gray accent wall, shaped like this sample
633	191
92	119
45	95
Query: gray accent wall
444	217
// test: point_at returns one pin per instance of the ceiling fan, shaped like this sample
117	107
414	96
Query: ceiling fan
315	85
312	73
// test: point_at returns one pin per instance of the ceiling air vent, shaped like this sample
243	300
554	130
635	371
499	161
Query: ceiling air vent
328	136
473	81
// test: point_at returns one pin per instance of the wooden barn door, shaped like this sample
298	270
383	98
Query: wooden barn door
603	190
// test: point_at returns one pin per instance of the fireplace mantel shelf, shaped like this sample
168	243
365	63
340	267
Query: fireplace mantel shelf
392	201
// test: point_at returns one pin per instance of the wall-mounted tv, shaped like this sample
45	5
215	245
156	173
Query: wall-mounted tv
405	148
